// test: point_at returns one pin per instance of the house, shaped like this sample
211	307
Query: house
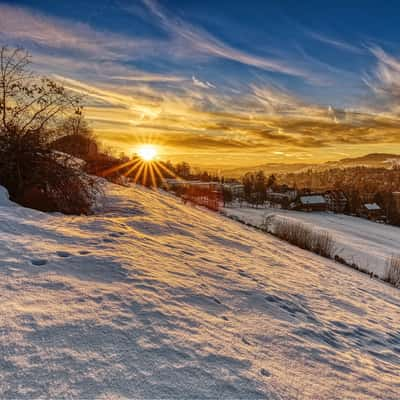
372	211
207	194
174	185
336	201
237	189
313	202
283	195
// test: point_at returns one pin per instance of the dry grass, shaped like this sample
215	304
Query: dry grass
393	271
302	236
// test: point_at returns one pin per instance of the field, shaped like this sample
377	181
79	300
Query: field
150	298
367	244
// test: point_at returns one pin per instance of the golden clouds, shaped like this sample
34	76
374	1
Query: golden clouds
262	122
207	116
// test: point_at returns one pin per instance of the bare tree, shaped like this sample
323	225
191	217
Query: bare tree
75	137
31	108
76	125
30	103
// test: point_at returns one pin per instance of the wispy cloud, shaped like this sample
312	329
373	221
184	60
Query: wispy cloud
192	114
384	82
148	77
337	43
264	119
201	84
25	26
206	43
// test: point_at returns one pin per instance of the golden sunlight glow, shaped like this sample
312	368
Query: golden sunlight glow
147	152
143	168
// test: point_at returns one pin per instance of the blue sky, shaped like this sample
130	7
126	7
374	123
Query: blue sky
267	80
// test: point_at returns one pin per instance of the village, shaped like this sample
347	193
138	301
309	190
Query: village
232	194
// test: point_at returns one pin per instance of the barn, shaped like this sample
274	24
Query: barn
312	202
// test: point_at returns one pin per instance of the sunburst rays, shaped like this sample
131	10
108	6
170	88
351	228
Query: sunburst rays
141	171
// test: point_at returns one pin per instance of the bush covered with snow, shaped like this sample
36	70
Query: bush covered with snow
393	271
31	111
301	235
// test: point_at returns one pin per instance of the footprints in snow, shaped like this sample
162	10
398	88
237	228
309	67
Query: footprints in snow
264	372
116	234
40	262
112	236
63	254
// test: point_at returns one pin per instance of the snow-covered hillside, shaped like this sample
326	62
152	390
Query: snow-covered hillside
155	299
367	244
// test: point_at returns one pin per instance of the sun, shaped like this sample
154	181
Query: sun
147	152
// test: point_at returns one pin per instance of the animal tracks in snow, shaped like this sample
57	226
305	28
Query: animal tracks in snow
63	254
116	234
38	262
111	237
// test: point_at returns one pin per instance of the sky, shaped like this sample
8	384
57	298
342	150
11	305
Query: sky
223	83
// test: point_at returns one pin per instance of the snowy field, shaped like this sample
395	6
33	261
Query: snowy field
364	243
154	299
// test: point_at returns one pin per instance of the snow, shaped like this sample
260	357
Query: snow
313	199
372	206
367	244
4	197
155	299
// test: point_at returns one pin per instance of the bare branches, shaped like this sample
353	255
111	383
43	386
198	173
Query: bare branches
29	103
31	109
13	71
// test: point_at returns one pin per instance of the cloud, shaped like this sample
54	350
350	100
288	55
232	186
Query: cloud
206	43
384	83
147	77
203	85
339	44
280	123
186	113
387	74
25	26
204	142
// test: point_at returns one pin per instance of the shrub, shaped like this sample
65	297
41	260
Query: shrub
39	178
393	271
323	244
301	235
31	109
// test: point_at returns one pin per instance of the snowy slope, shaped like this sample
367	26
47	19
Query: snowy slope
367	244
155	299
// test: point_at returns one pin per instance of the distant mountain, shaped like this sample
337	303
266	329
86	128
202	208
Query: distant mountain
269	168
382	160
370	160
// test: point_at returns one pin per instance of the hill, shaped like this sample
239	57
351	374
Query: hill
370	160
382	160
154	299
358	241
